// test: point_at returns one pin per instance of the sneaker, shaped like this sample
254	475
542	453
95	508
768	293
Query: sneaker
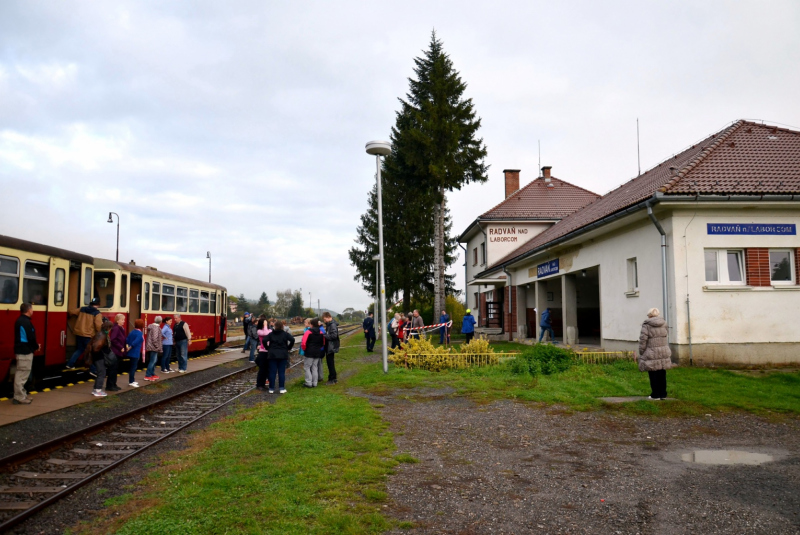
134	385
69	367
153	378
282	390
261	388
113	389
181	371
331	383
271	391
654	399
242	350
308	386
26	401
99	393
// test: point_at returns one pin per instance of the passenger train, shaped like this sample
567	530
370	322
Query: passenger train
58	281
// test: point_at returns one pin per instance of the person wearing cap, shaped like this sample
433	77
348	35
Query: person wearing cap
86	327
468	325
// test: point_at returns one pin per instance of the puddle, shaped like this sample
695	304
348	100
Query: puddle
726	457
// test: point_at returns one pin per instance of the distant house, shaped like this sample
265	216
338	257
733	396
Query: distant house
709	236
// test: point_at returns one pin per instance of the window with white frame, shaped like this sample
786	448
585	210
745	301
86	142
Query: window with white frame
724	266
483	253
781	268
633	275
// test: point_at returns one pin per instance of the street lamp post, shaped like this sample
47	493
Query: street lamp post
377	259
378	149
208	255
110	220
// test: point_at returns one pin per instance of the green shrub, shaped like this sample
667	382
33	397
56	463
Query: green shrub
544	359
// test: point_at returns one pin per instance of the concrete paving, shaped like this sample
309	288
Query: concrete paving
54	399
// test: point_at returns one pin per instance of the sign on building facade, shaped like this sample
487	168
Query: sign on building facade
783	229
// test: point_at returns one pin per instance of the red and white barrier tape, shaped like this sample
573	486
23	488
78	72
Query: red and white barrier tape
434	326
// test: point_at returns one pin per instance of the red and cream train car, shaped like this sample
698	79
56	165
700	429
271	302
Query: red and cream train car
57	281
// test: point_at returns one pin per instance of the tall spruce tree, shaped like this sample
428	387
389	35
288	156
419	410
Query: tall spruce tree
439	145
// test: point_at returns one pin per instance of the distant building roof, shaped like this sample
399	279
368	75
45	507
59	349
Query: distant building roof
746	158
540	199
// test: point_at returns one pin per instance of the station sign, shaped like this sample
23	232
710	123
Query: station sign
548	268
779	229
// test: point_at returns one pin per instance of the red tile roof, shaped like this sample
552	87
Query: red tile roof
744	159
538	201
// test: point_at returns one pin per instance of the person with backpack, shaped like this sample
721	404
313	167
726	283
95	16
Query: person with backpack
546	324
468	326
25	345
86	327
134	344
392	328
252	335
332	346
96	352
313	347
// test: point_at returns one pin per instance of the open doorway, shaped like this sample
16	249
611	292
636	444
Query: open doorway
587	293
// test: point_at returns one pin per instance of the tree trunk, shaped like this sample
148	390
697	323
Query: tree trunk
439	211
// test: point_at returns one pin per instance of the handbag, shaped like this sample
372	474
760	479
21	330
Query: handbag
110	359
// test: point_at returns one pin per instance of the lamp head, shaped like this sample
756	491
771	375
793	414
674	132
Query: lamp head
379	148
109	218
208	254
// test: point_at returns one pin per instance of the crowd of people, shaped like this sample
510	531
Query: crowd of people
269	338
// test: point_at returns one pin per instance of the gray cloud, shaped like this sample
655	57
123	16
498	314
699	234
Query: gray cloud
239	127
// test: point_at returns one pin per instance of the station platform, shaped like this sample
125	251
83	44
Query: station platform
49	400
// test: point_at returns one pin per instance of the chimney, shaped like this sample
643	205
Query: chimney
512	181
546	172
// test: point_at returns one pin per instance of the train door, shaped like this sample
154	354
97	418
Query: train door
79	295
135	302
55	339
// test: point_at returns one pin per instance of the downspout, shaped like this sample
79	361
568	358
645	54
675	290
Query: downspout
663	257
466	293
508	284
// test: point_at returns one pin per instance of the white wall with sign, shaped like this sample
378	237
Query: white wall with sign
504	238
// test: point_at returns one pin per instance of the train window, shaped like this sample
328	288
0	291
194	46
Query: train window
203	302
156	296
123	294
147	296
87	286
58	299
194	305
182	301
9	279
104	284
168	298
214	309
35	283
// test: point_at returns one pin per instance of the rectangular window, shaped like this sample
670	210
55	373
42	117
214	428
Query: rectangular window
633	275
104	284
35	283
9	279
483	253
474	256
214	309
156	296
780	267
87	286
123	294
194	301
203	302
58	298
477	300
168	298
147	296
724	266
182	302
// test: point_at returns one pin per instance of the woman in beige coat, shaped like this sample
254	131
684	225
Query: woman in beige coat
654	353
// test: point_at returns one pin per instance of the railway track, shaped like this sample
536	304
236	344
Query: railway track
34	479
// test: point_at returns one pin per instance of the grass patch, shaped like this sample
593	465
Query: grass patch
406	458
118	500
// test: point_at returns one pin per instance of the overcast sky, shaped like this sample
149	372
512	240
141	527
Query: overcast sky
239	127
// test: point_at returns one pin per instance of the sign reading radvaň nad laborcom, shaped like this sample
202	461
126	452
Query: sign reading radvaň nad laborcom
548	268
780	229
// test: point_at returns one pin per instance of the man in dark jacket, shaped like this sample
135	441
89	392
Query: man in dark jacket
369	332
25	345
332	336
546	324
245	324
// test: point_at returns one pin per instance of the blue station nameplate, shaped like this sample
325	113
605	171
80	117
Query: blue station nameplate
780	229
548	268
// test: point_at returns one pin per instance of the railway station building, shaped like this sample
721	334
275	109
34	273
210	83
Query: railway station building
708	236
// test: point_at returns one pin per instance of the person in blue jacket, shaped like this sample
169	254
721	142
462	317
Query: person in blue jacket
546	324
444	332
468	325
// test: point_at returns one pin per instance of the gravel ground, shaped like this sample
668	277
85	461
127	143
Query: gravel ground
83	504
515	468
26	433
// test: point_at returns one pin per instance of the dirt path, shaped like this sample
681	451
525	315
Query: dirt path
514	468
